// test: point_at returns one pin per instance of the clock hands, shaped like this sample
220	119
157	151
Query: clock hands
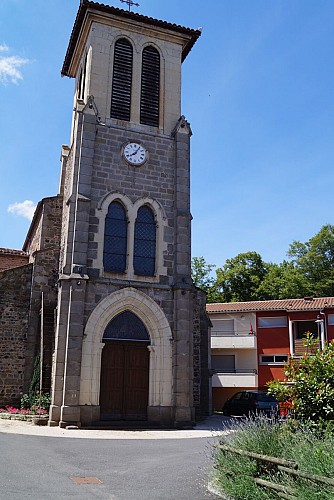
135	152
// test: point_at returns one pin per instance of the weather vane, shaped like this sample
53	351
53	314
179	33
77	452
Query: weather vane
130	3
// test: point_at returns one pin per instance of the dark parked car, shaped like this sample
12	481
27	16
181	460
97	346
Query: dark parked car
250	402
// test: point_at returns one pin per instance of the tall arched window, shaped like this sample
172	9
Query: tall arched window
122	80
115	239
145	242
150	87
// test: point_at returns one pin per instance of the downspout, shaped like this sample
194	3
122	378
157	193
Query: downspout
292	345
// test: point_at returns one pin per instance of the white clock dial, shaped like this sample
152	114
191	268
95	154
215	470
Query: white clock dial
135	153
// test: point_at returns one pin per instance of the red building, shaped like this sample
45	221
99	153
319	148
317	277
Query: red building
251	341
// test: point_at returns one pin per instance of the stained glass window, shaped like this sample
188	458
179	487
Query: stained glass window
145	242
126	326
115	239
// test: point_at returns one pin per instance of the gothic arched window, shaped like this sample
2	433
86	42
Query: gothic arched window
122	80
145	242
115	239
150	87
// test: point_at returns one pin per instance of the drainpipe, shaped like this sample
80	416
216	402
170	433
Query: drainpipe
321	325
292	346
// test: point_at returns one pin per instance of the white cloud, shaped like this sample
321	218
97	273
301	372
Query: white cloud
25	209
10	66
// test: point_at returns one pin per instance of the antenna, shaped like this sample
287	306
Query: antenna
130	3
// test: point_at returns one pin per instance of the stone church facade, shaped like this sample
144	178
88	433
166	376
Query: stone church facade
108	274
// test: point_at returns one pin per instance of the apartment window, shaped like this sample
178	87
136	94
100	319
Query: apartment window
273	322
269	359
150	87
222	327
145	242
223	363
115	239
122	80
302	327
331	319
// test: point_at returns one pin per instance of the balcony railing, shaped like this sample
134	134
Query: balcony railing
234	333
240	370
300	348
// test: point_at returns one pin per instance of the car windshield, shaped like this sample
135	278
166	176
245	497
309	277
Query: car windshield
265	397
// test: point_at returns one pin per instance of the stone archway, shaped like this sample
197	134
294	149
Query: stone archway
160	375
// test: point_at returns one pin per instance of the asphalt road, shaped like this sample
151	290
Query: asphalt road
41	468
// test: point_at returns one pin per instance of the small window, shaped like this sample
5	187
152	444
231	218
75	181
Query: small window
150	87
279	359
122	80
115	239
145	242
268	359
273	322
331	319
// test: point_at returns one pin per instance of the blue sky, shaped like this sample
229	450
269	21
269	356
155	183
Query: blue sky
257	90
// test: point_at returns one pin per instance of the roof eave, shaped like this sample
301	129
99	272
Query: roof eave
87	5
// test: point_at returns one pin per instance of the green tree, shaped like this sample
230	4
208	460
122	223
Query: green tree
315	261
239	279
283	281
201	273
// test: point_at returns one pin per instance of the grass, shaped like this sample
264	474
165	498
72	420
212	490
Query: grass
314	453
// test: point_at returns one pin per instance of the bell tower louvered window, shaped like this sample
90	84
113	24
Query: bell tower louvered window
150	87
115	239
145	242
122	80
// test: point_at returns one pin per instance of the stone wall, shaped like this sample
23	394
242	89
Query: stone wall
46	244
201	346
15	288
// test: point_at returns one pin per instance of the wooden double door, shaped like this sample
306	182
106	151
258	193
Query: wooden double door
124	380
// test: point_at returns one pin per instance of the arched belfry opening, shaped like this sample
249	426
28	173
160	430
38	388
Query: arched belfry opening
124	386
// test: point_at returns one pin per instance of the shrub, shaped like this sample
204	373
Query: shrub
234	475
36	401
309	385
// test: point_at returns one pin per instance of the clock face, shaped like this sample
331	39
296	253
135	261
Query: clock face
135	153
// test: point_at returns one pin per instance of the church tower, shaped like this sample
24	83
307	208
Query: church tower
127	316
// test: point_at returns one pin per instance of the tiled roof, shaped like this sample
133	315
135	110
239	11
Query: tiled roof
305	304
87	4
10	251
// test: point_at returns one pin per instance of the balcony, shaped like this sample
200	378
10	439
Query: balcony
246	377
233	340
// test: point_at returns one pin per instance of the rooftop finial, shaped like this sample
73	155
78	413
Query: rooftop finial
130	3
